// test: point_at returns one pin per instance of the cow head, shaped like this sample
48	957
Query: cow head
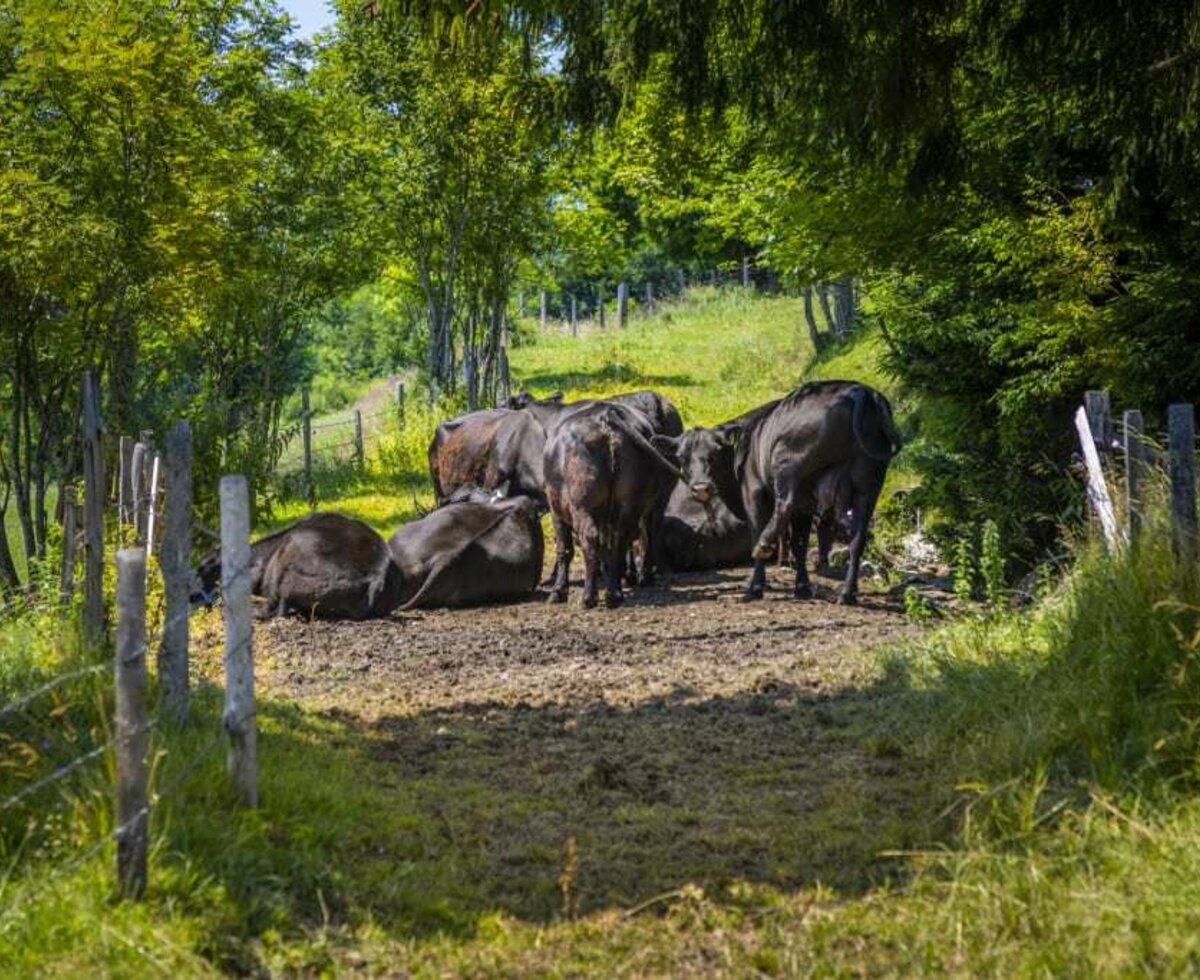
206	581
525	399
706	461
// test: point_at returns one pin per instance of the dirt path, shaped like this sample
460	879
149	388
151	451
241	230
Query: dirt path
686	737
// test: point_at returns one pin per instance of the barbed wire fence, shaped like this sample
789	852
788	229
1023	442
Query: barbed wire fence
142	522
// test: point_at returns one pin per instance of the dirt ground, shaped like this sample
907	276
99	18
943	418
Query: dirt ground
683	738
690	641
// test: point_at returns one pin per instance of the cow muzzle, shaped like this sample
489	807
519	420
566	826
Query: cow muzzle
702	492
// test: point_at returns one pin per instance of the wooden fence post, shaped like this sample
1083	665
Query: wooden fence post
649	297
175	559
1181	441
542	310
137	470
622	303
93	517
133	724
574	317
600	303
1136	465
681	281
125	482
66	582
746	271
1097	490
1099	414
400	402
240	723
360	455
310	488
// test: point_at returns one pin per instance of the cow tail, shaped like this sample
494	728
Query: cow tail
861	395
444	562
643	444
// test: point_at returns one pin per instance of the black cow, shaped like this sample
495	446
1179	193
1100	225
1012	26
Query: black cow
823	450
324	565
604	481
659	411
698	536
475	549
496	449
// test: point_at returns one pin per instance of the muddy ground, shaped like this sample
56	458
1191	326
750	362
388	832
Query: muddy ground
686	737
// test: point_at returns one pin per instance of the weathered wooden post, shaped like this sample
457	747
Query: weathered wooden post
1099	415
93	515
1181	442
600	303
133	724
137	492
175	559
574	317
125	482
1136	465
681	281
400	402
1097	489
649	297
542	309
239	636
746	271
622	303
360	455
66	582
310	488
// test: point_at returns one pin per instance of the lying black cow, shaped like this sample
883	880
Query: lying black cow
604	481
324	565
475	549
822	450
698	536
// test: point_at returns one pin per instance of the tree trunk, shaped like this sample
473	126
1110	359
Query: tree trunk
814	335
823	295
9	581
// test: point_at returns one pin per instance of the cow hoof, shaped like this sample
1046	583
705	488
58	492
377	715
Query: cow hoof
558	597
589	602
614	599
847	599
752	595
803	591
762	553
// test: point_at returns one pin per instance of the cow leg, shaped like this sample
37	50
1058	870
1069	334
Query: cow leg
564	551
860	522
613	596
781	518
800	527
758	507
589	544
825	530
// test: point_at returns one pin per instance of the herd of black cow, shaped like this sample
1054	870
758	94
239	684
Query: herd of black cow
621	478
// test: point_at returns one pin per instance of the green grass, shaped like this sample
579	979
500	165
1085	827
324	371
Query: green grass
16	539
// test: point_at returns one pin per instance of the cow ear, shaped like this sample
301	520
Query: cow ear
730	435
667	445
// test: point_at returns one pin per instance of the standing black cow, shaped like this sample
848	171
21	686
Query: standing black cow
495	449
477	548
324	565
662	415
604	480
822	450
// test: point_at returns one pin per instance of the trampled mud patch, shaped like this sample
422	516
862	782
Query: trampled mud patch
686	737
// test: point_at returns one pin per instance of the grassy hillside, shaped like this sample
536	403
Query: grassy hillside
715	355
